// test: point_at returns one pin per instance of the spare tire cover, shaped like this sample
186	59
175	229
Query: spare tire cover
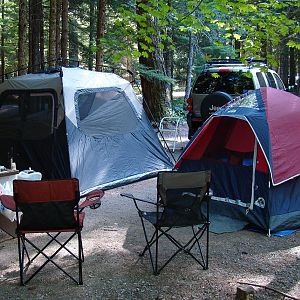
212	102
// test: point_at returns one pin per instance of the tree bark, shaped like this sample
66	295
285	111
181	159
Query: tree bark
73	38
298	70
154	90
58	23
169	59
30	3
189	66
284	63
92	35
65	31
52	34
35	30
42	38
292	65
2	70
22	38
100	34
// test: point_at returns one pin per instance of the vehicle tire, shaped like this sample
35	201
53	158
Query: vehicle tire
211	103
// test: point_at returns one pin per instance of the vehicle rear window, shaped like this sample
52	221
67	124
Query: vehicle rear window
271	80
233	83
261	79
279	82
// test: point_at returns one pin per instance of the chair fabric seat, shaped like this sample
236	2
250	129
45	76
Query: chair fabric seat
81	220
171	217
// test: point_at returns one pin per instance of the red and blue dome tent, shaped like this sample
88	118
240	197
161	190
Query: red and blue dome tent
252	148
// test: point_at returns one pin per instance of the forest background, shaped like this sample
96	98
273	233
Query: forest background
163	43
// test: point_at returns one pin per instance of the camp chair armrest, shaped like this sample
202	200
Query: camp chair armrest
137	199
8	202
92	199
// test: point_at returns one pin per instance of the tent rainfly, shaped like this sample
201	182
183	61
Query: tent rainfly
78	123
252	147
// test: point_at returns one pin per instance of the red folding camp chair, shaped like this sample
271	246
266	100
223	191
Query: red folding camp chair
50	207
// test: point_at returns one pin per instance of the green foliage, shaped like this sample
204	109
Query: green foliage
177	108
9	30
165	26
152	74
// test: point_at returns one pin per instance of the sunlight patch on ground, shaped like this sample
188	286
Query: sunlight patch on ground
112	240
282	257
294	251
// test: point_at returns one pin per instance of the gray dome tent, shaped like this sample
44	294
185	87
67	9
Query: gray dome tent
79	123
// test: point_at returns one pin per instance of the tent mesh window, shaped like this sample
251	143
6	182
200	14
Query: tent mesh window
105	109
27	115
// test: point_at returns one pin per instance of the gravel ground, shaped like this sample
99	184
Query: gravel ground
112	238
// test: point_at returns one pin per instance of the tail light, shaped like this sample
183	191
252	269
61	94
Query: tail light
224	70
189	104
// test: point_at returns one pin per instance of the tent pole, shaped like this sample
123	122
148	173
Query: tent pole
253	176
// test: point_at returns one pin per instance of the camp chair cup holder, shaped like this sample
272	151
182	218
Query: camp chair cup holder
182	201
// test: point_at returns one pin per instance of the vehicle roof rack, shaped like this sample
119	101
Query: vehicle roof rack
252	60
229	61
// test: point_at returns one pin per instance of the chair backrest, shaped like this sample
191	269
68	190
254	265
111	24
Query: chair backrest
46	205
182	195
178	181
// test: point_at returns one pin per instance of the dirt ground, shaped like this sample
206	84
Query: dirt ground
112	238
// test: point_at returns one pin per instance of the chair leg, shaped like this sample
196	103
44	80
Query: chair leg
187	247
21	259
148	247
156	251
153	239
207	245
50	259
80	256
196	240
54	238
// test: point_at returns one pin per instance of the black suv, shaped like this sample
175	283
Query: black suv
220	82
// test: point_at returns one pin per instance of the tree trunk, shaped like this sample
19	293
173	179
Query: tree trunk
298	71
30	4
52	34
100	34
91	35
189	66
292	65
2	44
35	26
169	59
22	38
57	34
42	39
151	89
73	38
65	32
284	63
154	90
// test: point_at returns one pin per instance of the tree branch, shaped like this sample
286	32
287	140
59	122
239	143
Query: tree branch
271	289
